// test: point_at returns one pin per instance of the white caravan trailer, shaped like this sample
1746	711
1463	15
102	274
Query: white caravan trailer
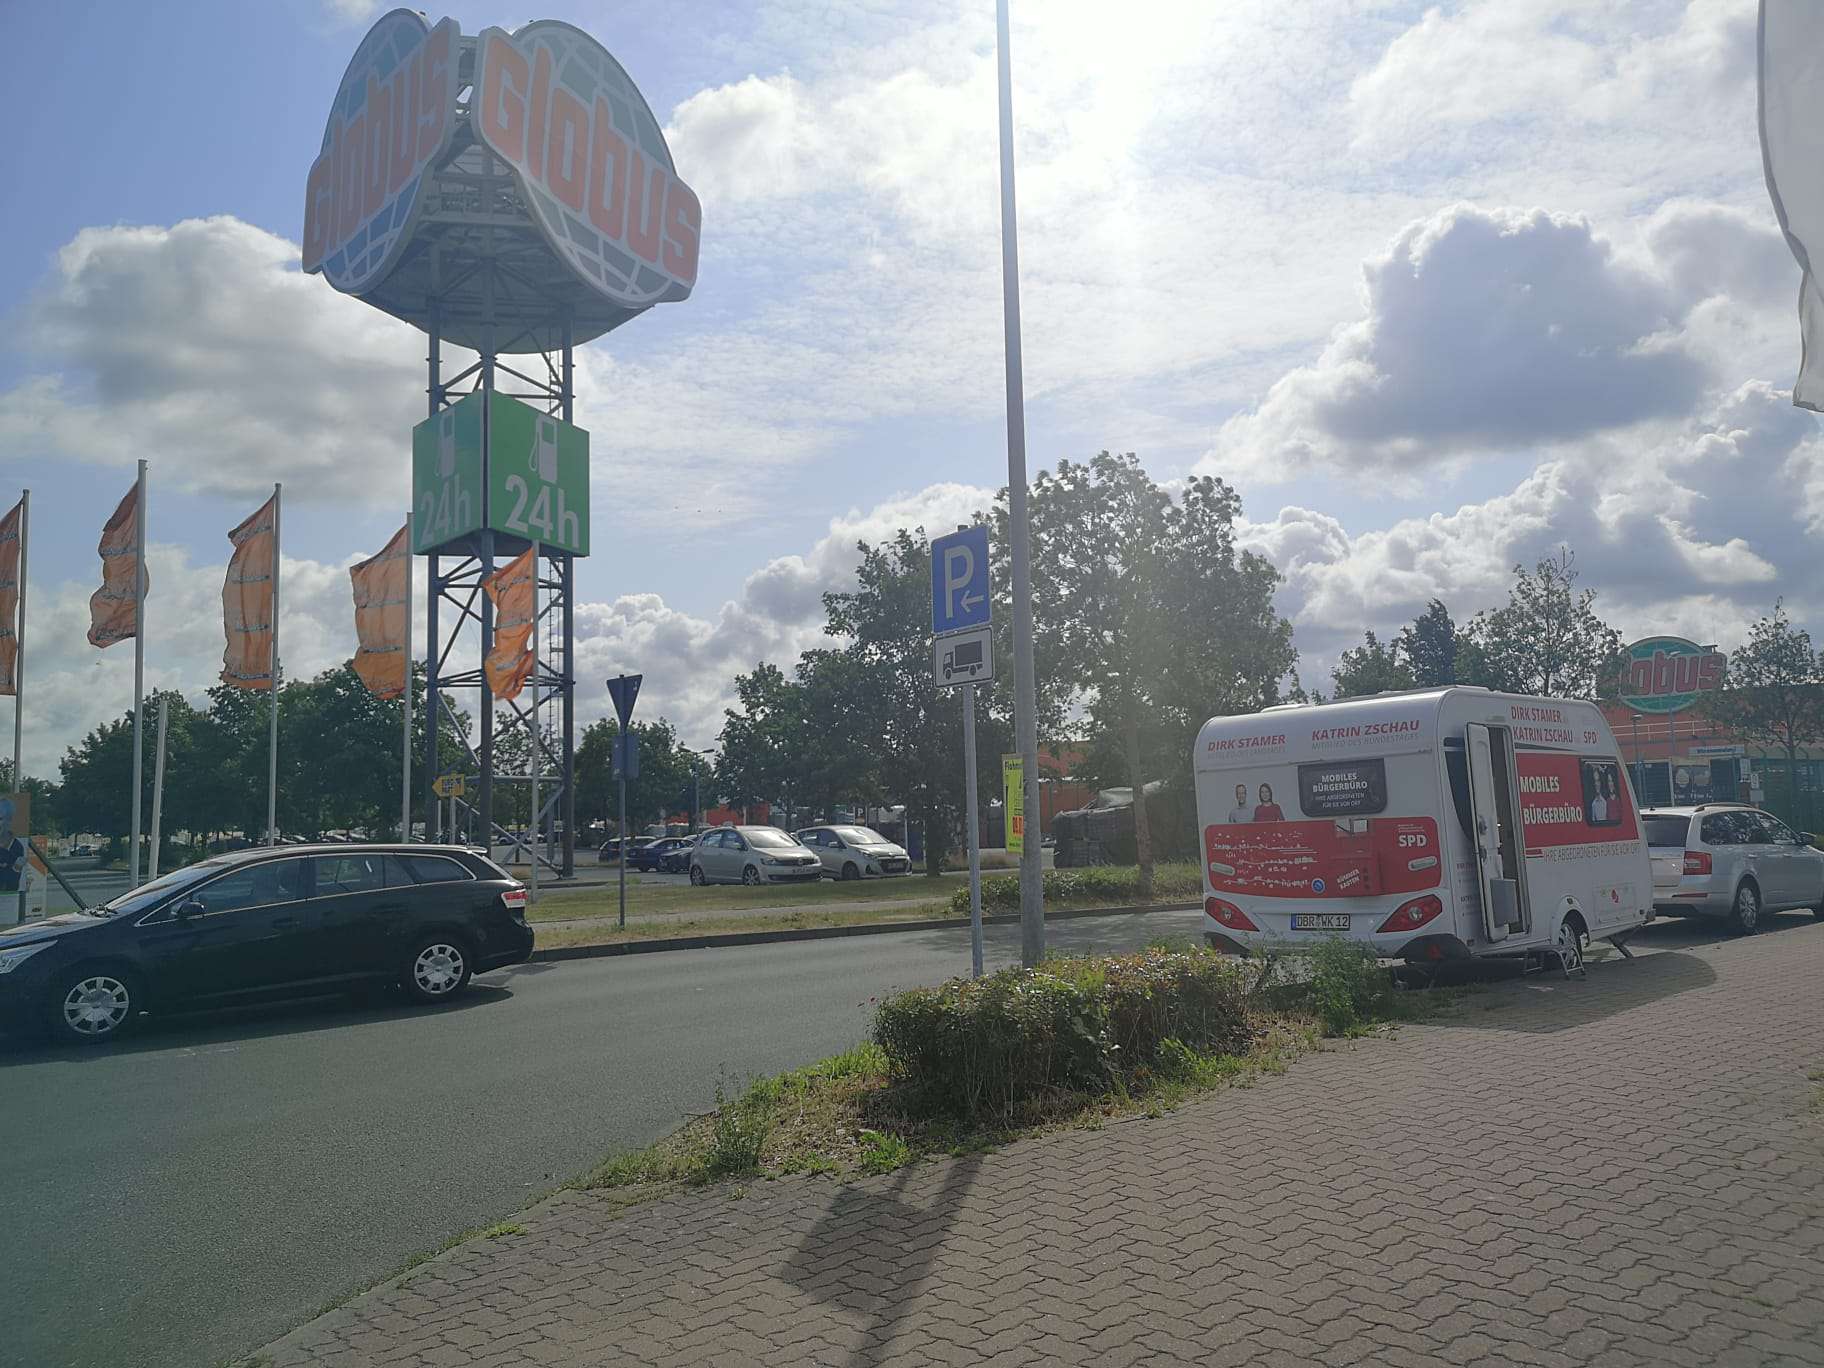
1433	825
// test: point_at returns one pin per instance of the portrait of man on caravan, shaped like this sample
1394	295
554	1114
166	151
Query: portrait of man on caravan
1243	811
1602	804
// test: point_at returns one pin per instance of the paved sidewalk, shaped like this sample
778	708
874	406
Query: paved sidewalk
1615	1172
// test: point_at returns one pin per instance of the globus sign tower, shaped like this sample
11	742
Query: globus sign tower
510	194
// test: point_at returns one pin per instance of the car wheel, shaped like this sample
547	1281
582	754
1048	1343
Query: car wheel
696	876
1746	916
751	875
849	871
437	970
89	1006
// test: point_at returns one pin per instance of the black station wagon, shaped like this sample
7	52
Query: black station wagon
270	922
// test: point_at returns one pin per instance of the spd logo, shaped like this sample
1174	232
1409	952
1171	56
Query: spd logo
392	118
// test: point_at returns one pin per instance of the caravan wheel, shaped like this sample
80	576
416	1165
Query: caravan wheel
1571	942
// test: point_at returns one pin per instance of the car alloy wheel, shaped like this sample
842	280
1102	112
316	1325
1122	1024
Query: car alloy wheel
751	875
439	969
96	1007
849	871
696	876
1746	916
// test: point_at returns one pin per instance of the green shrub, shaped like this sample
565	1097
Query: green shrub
1347	986
742	1126
1109	885
998	1046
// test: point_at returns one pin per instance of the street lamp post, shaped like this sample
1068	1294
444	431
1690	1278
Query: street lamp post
1640	777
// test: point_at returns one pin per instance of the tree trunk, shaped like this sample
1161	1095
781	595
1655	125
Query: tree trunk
1143	835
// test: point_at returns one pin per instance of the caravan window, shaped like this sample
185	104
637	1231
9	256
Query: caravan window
1349	788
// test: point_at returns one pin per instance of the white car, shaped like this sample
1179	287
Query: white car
751	855
854	852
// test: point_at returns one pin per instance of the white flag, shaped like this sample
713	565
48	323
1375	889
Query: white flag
1792	154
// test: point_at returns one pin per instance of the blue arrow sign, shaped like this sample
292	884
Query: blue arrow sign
959	581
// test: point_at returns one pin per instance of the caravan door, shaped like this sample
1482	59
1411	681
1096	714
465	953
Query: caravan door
1494	814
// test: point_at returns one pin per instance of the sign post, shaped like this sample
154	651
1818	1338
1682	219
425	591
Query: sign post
624	689
963	653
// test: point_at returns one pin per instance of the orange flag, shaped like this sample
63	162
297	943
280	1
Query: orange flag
247	603
113	616
380	609
509	664
9	599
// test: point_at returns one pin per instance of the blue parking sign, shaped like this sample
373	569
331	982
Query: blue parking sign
959	581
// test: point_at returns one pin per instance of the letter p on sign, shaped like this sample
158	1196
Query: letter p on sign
959	581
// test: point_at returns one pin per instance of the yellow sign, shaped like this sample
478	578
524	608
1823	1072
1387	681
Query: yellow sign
448	786
1013	801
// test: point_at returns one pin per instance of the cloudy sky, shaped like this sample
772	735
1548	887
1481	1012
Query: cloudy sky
1438	287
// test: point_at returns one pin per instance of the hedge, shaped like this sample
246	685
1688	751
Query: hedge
1110	885
995	1046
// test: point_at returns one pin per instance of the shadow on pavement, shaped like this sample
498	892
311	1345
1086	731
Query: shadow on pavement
872	1251
234	1025
1545	1002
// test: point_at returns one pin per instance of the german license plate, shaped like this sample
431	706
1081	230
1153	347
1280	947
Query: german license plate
1320	921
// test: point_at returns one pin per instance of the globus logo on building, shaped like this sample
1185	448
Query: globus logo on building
392	118
554	105
1666	674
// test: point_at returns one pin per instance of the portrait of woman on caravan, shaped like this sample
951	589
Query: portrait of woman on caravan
1268	811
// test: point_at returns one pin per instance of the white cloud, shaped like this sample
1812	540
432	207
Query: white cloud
1490	330
1693	537
202	348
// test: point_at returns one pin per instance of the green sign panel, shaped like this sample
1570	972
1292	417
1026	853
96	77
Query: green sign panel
446	475
539	477
537	485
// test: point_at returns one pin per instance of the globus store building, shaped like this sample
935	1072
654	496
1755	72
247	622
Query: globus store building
1678	755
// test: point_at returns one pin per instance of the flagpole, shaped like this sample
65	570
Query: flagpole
405	783
272	741
537	740
139	665
25	524
158	789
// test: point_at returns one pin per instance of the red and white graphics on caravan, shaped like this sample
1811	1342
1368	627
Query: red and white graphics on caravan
1429	825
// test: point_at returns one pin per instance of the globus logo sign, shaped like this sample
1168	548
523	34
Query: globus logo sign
555	106
1666	674
392	118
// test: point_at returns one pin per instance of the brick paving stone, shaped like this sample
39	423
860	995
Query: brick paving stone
1615	1171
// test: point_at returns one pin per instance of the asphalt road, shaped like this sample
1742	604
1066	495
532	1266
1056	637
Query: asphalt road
193	1193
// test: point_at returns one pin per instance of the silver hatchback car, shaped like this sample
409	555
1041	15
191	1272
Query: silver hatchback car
1728	860
853	852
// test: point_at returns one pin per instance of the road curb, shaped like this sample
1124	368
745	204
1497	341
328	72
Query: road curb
708	942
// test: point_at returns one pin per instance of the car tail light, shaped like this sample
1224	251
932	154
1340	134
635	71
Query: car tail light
1697	862
1228	914
514	899
1411	916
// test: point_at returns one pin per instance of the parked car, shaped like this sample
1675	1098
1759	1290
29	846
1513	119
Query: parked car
610	853
854	852
266	923
752	855
646	856
678	861
1729	860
